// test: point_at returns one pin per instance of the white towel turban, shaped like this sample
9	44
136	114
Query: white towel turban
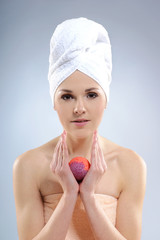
80	44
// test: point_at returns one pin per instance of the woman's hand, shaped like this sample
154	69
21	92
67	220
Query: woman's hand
97	168
60	167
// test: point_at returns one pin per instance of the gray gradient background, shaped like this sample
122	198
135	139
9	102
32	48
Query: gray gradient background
132	116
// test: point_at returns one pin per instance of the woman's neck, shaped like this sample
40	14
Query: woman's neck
79	146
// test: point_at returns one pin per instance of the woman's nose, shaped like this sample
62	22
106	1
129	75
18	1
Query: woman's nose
79	107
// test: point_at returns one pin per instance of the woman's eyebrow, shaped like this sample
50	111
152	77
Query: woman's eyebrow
69	91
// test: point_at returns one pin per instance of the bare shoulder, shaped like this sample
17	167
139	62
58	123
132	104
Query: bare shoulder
127	159
133	174
129	165
25	173
131	162
132	169
27	159
35	159
29	171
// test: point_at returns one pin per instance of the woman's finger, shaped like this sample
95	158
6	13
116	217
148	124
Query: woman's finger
65	149
101	155
60	157
93	151
55	155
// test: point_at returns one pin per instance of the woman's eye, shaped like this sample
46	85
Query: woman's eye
69	96
92	95
66	97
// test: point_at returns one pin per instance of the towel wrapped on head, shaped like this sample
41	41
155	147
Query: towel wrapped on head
80	44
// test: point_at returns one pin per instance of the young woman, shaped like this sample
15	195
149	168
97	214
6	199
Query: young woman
50	203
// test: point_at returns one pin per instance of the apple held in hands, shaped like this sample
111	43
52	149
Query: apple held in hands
79	167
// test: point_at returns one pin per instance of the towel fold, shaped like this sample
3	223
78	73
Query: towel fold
79	227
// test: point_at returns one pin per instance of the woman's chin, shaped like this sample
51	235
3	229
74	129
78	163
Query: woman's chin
82	133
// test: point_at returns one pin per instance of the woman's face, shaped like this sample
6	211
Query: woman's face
79	97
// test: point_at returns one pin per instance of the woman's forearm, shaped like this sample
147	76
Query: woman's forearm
58	224
101	225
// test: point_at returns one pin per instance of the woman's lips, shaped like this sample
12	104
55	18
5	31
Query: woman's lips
80	123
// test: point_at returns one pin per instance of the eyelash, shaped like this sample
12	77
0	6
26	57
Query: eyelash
69	95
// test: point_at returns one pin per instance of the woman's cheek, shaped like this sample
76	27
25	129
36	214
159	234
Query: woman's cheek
99	113
65	117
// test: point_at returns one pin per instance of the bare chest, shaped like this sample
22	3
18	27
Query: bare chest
109	184
51	190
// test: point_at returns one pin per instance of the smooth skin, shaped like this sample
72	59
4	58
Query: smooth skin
42	172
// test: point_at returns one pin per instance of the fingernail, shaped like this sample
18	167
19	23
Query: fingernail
51	166
63	133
